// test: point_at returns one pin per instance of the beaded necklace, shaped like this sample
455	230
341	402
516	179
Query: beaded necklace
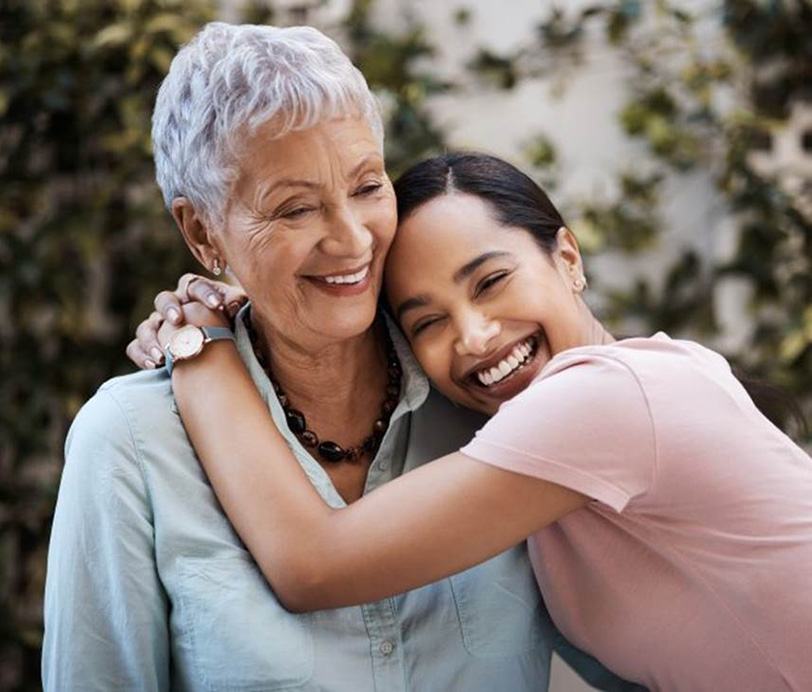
297	423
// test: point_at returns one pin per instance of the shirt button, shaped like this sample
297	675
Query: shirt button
383	465
386	647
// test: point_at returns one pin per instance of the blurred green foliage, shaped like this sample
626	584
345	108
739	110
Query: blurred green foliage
85	242
699	106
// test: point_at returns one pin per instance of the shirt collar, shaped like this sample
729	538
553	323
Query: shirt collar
414	392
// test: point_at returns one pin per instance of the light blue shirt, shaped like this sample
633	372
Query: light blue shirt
149	587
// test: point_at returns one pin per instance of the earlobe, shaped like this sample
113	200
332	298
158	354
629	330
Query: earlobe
196	233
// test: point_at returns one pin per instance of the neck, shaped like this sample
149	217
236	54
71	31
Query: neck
594	332
332	382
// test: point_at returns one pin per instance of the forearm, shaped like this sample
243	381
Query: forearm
265	493
429	523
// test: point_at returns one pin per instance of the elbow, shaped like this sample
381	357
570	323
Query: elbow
297	596
300	587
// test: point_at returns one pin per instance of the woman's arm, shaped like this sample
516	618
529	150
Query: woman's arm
437	520
145	350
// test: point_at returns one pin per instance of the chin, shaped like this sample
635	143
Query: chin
348	323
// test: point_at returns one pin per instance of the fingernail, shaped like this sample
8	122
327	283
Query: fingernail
149	364
174	314
213	300
157	354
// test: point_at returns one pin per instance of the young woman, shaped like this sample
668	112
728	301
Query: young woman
674	520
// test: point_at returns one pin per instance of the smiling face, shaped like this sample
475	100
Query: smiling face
483	305
307	228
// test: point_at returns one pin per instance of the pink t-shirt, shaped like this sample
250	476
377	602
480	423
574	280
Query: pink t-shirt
692	567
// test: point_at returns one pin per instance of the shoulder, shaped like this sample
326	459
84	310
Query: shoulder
581	384
108	432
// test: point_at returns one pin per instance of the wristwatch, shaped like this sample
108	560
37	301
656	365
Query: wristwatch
188	342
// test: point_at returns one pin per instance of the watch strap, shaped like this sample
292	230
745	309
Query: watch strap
217	333
209	334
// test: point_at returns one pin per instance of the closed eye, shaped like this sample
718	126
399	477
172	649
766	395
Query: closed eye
297	213
369	189
490	281
423	324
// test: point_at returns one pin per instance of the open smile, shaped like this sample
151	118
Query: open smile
509	370
521	354
347	283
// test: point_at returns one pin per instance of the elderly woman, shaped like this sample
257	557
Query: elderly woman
268	147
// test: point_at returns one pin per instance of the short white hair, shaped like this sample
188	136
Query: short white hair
231	79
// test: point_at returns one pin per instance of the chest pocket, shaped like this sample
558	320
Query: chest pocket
235	632
500	610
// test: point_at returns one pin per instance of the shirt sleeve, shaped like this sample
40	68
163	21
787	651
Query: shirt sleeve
585	425
106	614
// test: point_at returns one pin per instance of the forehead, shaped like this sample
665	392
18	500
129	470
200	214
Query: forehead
334	146
452	226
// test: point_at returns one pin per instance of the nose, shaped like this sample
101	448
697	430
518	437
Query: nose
347	236
476	332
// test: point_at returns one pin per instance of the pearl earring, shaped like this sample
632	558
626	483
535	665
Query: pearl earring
215	268
579	284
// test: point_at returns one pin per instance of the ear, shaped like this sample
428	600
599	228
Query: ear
567	251
195	232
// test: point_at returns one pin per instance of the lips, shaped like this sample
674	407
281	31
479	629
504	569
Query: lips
519	355
353	276
500	372
351	282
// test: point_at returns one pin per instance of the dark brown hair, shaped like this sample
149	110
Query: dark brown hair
518	201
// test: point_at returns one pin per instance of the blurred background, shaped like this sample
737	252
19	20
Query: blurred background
676	137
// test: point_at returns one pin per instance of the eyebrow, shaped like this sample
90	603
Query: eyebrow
309	184
364	162
469	268
412	303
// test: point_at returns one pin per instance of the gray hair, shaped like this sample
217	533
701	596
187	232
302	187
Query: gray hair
231	79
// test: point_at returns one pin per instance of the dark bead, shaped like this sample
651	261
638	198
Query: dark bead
296	421
283	399
354	454
379	427
277	388
331	451
389	406
309	439
371	444
392	391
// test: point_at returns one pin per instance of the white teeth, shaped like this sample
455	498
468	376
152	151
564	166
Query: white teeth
507	365
348	278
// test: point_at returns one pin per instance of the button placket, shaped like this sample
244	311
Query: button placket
384	631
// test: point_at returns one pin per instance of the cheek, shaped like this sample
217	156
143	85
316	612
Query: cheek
434	356
383	224
268	274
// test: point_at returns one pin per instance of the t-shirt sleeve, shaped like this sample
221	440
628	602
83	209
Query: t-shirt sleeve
585	425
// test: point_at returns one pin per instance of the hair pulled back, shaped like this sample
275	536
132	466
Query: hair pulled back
513	196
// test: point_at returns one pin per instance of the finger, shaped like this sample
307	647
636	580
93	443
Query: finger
210	293
185	281
234	298
137	356
147	337
168	306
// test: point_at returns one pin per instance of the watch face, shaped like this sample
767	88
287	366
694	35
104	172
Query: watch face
186	343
